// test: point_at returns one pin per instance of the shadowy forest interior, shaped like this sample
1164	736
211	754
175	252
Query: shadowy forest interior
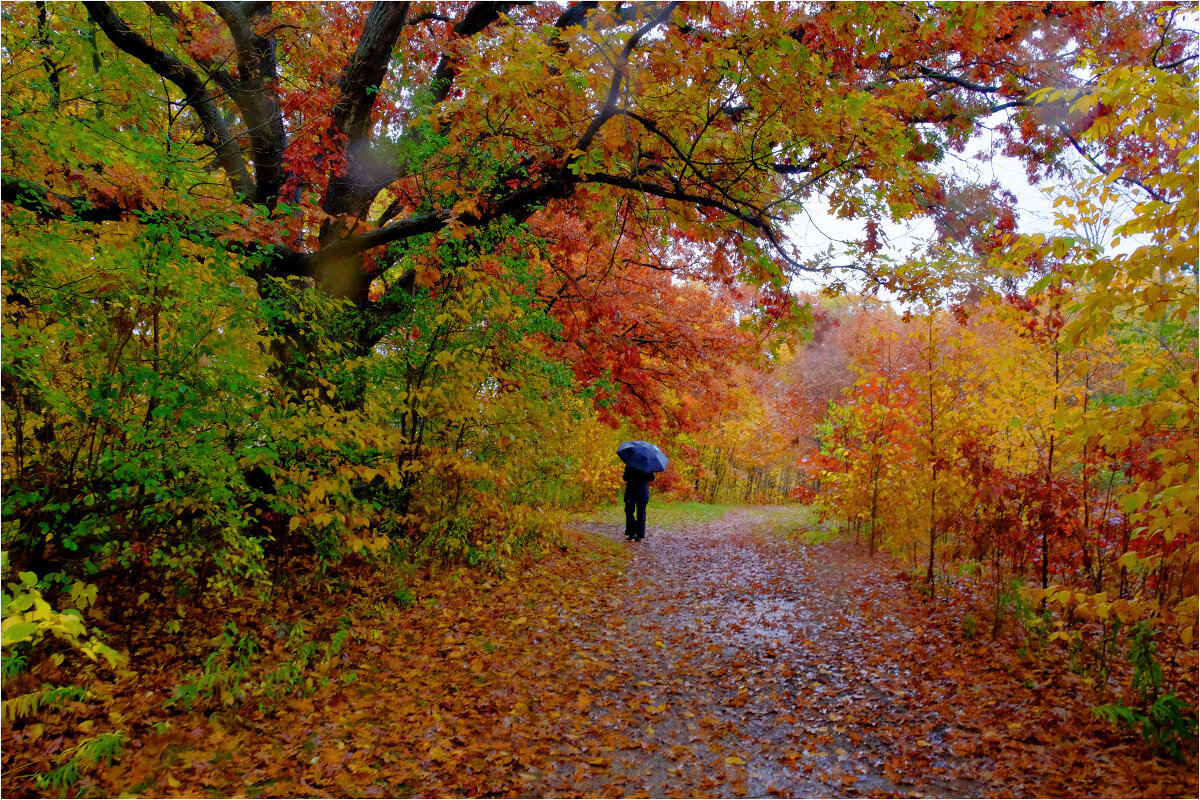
322	323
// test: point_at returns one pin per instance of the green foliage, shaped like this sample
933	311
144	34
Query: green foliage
89	752
27	705
813	538
1035	624
28	619
132	377
404	596
1011	601
239	669
292	673
1166	722
13	663
1147	674
1167	725
223	673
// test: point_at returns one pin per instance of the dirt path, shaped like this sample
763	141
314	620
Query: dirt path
739	664
748	666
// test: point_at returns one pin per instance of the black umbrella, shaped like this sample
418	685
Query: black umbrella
642	455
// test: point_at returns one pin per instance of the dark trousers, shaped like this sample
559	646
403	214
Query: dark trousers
635	519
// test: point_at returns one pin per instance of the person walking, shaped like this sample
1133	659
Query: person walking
637	495
642	459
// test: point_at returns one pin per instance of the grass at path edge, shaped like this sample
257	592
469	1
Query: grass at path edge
659	513
789	520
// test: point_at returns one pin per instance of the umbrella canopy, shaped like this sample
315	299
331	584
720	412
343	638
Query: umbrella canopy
642	455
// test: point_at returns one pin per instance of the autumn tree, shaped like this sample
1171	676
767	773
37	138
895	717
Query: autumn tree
280	272
1141	291
1082	435
340	133
287	284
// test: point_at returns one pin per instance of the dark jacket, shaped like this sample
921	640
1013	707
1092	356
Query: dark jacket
637	485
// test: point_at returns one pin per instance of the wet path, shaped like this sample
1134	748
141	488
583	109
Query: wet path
742	665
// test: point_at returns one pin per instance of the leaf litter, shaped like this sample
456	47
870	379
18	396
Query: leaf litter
747	665
712	659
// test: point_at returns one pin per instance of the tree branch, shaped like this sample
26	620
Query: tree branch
678	194
956	81
1075	144
478	17
49	205
366	176
255	96
684	158
170	68
352	192
614	86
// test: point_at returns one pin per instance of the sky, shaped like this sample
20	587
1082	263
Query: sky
812	232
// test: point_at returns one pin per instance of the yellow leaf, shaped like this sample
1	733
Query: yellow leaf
735	760
1128	561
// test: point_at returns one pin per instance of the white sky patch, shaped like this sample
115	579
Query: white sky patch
816	230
